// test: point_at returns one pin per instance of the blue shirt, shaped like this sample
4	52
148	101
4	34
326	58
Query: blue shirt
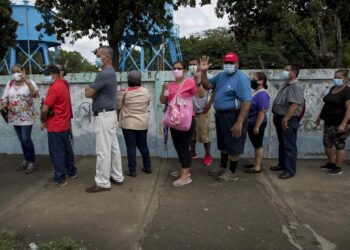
231	90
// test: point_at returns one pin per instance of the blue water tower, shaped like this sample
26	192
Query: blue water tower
32	44
162	50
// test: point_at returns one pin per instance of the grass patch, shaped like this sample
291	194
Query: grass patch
64	244
8	241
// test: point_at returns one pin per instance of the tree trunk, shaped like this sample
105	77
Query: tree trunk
339	41
307	47
113	43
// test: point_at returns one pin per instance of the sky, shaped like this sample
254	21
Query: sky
191	20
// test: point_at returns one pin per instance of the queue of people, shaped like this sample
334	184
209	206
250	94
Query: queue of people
240	103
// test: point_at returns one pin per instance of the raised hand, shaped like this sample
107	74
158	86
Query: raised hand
204	63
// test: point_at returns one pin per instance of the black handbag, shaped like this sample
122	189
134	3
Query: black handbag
5	114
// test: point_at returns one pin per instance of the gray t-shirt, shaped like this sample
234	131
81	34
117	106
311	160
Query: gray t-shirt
287	94
105	86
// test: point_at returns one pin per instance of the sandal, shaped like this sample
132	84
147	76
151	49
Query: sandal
252	171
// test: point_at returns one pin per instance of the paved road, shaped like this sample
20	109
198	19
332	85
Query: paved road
310	211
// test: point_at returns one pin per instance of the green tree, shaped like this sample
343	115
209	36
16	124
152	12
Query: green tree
7	27
107	20
216	42
75	62
316	25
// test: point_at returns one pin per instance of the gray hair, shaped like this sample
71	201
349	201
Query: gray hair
108	51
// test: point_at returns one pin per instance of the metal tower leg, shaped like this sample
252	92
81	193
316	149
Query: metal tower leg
13	57
45	51
142	59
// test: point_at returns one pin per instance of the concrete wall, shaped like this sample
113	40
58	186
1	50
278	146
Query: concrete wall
316	83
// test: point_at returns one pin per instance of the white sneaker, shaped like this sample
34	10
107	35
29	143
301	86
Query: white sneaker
182	182
176	174
228	176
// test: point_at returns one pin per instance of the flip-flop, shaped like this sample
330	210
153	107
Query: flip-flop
252	171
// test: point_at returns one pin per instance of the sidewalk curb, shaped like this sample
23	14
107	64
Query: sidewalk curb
153	203
301	236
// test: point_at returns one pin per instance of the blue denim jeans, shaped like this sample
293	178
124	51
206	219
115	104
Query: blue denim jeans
287	139
24	135
136	138
61	155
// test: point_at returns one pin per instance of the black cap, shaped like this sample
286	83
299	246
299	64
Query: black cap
51	69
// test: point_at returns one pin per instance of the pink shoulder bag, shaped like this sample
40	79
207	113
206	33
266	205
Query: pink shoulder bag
179	112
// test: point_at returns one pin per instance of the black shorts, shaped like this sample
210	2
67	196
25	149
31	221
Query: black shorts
225	140
331	137
257	140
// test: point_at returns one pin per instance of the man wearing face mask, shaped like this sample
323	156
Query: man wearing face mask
286	109
201	106
103	92
232	102
58	126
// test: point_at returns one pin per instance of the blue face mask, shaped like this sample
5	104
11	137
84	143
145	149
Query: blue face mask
98	62
337	82
285	74
229	69
47	79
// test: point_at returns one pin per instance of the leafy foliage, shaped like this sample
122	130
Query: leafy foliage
8	27
74	62
107	20
319	27
216	42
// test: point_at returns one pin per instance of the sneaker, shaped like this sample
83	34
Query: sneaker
74	176
176	174
194	155
31	168
335	171
328	165
182	182
216	171
52	183
23	166
228	176
207	160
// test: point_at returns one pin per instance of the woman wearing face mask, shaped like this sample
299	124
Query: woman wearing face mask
336	114
181	139
18	100
257	120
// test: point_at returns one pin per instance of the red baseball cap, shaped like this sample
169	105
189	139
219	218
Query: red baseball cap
230	57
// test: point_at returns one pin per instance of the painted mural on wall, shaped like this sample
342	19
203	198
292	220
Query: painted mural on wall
316	84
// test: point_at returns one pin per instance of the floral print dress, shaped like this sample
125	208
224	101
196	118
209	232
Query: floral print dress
20	103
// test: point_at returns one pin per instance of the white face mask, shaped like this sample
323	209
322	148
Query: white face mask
47	79
229	69
192	69
17	77
285	74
